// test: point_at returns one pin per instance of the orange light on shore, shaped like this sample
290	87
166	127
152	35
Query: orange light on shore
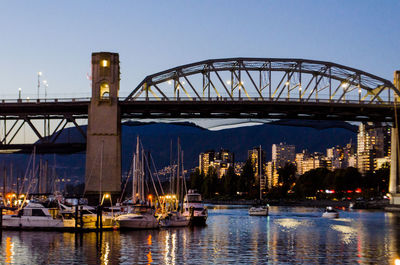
150	197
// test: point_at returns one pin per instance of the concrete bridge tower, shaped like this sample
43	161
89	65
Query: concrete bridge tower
394	181
103	151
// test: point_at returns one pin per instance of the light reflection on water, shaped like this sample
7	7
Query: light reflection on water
290	235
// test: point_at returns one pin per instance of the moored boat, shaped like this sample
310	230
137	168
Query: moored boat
174	219
87	218
330	213
194	208
32	216
138	217
259	210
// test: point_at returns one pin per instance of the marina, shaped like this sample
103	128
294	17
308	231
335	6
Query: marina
286	236
204	132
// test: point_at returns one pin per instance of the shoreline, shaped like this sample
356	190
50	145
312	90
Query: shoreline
380	205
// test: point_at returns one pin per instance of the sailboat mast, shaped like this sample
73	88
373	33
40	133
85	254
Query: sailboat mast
171	168
142	178
177	173
137	167
259	169
134	178
4	182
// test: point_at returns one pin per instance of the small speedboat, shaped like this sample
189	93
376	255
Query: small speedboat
260	210
330	213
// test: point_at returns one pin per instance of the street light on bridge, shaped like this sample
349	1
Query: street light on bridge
46	85
19	93
38	86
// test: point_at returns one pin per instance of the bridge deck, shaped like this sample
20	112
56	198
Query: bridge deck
210	108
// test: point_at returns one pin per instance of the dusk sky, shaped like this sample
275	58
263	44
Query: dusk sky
58	37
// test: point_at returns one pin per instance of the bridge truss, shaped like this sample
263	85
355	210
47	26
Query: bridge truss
260	88
265	79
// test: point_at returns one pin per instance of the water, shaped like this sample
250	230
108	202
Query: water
290	235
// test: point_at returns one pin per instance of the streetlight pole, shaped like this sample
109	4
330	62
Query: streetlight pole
19	94
45	89
38	85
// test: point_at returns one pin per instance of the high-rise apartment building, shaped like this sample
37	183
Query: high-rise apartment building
271	173
283	153
372	142
221	161
257	158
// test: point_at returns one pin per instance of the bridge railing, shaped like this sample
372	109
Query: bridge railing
210	99
48	100
245	99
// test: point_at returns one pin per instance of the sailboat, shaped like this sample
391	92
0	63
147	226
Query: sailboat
139	215
173	216
259	210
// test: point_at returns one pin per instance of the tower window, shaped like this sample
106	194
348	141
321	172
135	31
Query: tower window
104	91
104	63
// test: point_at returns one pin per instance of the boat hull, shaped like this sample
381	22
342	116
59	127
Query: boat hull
330	215
11	222
137	221
258	211
198	220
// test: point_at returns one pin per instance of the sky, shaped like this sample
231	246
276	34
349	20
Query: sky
58	37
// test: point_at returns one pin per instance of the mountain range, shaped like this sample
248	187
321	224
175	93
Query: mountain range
315	136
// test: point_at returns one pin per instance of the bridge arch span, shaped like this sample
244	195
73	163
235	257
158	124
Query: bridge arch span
272	79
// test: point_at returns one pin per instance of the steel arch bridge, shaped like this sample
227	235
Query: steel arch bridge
263	88
265	78
270	88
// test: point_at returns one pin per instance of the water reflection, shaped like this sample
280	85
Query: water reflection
9	251
287	236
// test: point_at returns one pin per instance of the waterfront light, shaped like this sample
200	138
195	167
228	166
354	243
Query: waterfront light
397	261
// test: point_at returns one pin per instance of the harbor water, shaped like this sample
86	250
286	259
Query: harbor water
289	235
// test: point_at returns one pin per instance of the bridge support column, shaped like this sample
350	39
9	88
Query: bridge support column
394	182
103	152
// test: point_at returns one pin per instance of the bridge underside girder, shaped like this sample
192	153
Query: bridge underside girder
44	148
258	110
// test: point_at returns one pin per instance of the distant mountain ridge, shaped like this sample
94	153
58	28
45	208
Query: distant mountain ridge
157	137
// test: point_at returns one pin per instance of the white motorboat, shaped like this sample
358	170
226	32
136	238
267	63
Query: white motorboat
259	210
194	208
32	216
174	219
140	217
330	213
